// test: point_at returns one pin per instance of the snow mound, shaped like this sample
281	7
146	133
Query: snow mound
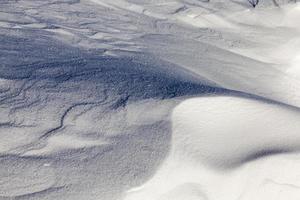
213	133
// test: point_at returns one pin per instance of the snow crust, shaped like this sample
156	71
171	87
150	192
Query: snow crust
149	99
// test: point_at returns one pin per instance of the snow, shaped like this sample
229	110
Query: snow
153	100
227	148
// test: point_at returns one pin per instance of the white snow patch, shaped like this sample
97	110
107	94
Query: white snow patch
210	133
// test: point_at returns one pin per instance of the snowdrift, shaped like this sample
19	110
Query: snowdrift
154	100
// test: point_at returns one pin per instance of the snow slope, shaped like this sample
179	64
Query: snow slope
154	100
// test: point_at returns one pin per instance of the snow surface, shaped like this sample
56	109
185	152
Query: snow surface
149	99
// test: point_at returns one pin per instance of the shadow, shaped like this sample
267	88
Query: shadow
49	79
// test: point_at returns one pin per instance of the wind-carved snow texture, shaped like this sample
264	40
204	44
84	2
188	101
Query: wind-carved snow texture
153	100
